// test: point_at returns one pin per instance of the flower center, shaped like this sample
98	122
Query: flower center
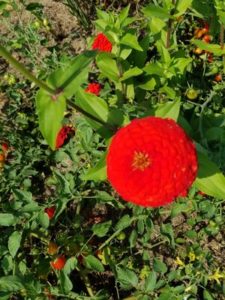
140	161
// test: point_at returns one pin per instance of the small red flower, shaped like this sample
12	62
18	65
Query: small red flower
151	161
50	211
5	147
58	263
206	38
102	43
93	88
63	135
218	78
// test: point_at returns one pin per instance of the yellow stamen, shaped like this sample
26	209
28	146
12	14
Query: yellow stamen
140	161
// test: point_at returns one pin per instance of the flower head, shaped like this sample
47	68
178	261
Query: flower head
217	276
58	263
151	161
5	147
50	211
52	248
63	135
93	88
102	43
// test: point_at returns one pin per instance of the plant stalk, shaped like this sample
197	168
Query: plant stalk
90	116
169	30
54	92
26	73
222	36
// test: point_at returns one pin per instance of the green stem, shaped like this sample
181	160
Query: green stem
90	116
169	28
204	105
117	232
27	74
86	281
35	235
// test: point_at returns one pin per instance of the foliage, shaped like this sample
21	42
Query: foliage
113	250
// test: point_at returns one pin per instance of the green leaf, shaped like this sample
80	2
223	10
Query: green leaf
70	77
126	277
64	184
210	179
159	266
92	104
70	265
207	295
156	11
150	282
108	66
166	296
3	5
133	238
182	6
154	69
7	219
130	40
124	14
156	25
98	173
178	208
123	223
43	219
180	64
11	284
14	243
93	263
101	229
21	195
50	114
31	207
131	73
168	110
148	84
167	230
66	283
214	48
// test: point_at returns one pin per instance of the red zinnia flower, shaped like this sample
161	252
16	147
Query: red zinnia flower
93	88
151	161
50	211
62	135
58	263
102	43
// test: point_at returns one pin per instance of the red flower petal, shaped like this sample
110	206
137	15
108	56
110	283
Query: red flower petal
151	161
50	211
58	263
102	43
93	88
62	135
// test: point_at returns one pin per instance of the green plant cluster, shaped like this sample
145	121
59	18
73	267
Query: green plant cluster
113	250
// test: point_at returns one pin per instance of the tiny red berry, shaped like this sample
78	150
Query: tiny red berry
58	263
50	211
